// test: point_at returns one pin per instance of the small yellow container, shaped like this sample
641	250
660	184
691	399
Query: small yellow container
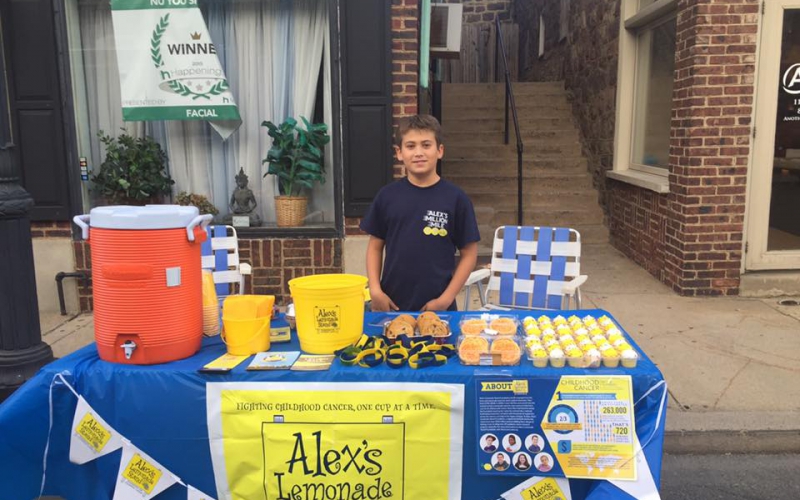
329	310
246	323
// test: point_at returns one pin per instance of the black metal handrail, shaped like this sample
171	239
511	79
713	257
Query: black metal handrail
509	99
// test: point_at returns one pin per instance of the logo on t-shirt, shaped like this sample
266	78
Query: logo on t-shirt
436	223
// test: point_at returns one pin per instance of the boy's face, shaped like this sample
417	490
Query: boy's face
419	153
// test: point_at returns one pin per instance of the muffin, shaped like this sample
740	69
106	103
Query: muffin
629	358
610	358
473	326
575	359
539	358
436	328
557	358
592	358
399	327
504	326
471	348
509	350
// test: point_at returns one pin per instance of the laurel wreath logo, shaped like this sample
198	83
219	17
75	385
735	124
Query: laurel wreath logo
176	86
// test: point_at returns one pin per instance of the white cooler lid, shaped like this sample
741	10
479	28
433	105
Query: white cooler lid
146	217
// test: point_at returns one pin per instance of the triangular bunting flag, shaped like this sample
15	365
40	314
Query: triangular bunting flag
140	477
540	488
91	436
644	488
193	493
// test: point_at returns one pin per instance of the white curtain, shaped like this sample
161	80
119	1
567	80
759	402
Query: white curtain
271	51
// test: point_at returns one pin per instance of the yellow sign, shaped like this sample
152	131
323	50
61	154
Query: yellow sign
356	460
348	441
546	489
93	432
515	386
589	423
141	474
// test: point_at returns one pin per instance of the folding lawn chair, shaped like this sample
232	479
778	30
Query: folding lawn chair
532	267
220	255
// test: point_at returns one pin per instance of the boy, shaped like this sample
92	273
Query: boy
420	220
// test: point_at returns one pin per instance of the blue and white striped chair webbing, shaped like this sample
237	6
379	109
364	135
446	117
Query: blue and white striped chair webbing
220	256
509	293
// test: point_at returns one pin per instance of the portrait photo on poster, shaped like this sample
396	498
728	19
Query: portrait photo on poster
534	443
511	443
489	443
500	461
543	462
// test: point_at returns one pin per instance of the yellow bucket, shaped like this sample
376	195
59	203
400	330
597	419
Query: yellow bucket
329	309
246	323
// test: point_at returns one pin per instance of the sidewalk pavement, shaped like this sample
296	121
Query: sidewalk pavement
732	364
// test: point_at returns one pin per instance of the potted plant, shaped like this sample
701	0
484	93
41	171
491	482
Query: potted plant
196	200
133	172
297	158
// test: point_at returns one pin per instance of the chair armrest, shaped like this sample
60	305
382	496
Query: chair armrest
477	275
245	268
570	286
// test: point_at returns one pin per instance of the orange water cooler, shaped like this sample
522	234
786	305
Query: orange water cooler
146	279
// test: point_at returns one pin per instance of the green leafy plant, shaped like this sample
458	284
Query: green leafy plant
196	200
297	156
133	172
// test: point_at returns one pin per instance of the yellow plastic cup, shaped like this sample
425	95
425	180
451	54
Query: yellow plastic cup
329	309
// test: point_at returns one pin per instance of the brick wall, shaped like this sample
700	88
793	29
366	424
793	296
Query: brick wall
276	261
710	144
51	229
405	64
691	239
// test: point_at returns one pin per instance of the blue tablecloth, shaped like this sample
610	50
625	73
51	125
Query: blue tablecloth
162	410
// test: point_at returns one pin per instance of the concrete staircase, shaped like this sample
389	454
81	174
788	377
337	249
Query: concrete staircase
557	186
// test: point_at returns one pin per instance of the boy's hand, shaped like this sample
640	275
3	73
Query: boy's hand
438	304
382	302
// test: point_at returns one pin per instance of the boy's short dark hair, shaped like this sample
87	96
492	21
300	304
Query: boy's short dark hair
418	122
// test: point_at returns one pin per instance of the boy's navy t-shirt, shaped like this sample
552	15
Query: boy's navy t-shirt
422	228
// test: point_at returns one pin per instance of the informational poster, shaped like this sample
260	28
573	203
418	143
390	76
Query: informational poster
510	436
168	65
574	427
590	424
294	441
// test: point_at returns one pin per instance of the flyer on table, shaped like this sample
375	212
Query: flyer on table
575	427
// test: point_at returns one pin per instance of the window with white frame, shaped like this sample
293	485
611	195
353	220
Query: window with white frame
644	93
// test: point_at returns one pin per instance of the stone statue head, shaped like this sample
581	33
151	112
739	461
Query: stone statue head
241	178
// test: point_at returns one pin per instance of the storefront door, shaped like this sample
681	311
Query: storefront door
773	229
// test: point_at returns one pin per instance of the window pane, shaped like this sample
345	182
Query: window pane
645	3
290	80
784	224
654	78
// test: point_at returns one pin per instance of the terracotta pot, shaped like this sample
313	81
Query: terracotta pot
290	210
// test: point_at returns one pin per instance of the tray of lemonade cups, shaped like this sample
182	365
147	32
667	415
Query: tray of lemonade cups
577	342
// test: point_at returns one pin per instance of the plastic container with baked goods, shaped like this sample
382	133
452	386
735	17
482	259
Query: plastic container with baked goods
487	350
434	328
490	324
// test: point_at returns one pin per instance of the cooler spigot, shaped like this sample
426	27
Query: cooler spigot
129	346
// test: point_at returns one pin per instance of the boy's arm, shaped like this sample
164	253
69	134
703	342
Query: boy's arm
469	257
380	301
